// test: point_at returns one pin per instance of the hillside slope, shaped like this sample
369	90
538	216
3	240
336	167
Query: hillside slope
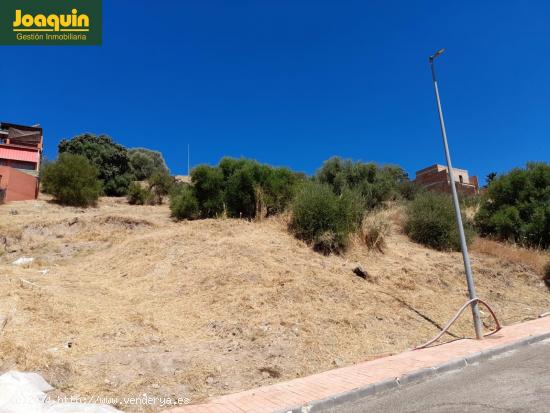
120	300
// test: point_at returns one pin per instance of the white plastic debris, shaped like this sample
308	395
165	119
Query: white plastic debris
25	393
44	271
23	261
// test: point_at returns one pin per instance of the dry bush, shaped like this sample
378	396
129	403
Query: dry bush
396	214
375	228
534	258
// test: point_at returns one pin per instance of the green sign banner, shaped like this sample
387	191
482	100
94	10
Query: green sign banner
47	22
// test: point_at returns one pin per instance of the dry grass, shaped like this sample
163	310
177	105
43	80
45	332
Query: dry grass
533	258
133	302
375	228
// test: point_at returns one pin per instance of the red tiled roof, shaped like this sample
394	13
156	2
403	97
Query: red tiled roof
16	154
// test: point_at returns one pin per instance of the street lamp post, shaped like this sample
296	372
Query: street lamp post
464	247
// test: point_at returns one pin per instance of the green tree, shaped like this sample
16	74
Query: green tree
490	177
243	188
110	159
160	184
376	184
72	180
144	162
516	206
253	189
280	187
240	191
208	185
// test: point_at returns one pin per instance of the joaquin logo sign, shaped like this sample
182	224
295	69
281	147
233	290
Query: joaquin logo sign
46	22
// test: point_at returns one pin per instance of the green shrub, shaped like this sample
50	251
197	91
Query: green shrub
184	204
279	188
144	162
118	185
208	185
254	190
323	218
243	188
160	185
43	163
376	184
516	206
138	195
110	159
409	190
431	221
246	187
72	180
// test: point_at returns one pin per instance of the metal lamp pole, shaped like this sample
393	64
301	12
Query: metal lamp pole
464	247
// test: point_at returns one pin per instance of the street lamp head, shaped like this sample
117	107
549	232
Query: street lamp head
432	57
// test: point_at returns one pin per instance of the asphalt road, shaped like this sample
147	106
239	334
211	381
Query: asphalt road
517	381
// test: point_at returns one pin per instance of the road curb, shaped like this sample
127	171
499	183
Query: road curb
415	376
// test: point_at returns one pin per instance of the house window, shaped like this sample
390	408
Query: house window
23	165
461	179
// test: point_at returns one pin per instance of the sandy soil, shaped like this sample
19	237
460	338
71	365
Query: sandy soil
120	300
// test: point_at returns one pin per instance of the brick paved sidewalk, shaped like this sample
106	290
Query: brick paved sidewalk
285	395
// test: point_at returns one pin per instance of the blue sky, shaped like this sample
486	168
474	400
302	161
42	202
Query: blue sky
292	82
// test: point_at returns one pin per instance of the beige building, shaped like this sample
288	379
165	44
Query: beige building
436	177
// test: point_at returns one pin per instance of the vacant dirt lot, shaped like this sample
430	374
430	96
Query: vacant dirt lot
120	300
